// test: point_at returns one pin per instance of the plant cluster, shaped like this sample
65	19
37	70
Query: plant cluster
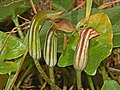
62	46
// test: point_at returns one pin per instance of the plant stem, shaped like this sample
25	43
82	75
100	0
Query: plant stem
42	73
104	73
88	8
90	82
79	83
15	20
52	77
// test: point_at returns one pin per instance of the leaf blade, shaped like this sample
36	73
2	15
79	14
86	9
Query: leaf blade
13	48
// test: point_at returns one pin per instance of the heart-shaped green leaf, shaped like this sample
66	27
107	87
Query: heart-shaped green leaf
14	48
102	46
7	67
110	85
99	49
